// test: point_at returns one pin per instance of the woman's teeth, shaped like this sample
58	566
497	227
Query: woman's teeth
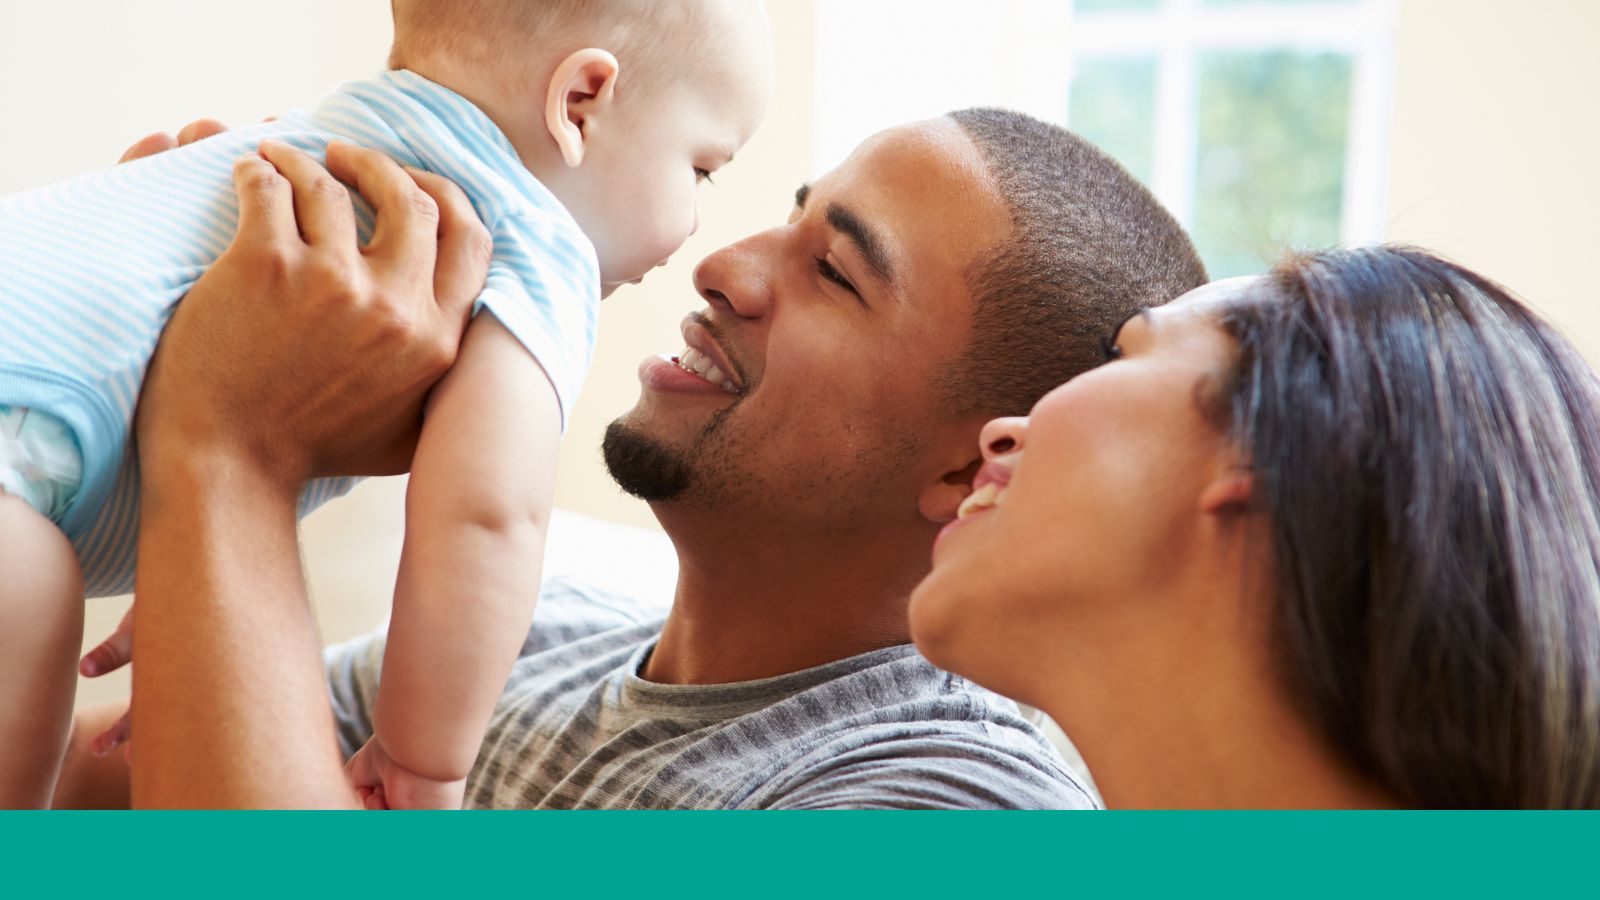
691	360
983	498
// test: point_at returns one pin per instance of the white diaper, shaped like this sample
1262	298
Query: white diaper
39	460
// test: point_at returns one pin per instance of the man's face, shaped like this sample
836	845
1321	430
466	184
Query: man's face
830	334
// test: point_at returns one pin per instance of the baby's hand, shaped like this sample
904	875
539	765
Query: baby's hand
382	783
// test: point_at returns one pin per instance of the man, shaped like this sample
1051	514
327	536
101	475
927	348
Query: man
949	272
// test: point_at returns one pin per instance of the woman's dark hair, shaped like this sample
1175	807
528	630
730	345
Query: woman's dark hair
1428	449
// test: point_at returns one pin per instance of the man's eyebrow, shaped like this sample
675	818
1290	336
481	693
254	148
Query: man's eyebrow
866	240
800	195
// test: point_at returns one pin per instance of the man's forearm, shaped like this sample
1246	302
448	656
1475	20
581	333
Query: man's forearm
230	704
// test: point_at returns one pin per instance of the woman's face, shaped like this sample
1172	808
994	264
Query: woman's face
1087	512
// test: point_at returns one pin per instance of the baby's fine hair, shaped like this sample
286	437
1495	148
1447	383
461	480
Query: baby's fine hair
650	38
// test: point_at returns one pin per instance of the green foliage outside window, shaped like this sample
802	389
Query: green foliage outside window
1270	139
1270	167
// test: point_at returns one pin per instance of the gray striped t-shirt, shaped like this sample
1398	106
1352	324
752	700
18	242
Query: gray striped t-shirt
578	728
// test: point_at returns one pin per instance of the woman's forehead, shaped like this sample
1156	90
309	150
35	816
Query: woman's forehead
1209	299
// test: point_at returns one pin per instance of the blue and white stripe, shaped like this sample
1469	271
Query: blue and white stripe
90	270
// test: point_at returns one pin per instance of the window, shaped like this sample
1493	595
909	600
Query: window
1261	124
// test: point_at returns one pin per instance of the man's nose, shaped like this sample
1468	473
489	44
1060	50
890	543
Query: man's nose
738	277
1003	436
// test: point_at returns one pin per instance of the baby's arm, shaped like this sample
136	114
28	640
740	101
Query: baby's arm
476	513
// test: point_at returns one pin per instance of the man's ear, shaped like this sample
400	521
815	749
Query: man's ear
1232	491
939	500
583	86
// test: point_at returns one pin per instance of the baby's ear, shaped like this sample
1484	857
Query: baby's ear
582	88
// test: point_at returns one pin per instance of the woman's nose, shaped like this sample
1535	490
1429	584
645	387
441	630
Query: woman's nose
1002	436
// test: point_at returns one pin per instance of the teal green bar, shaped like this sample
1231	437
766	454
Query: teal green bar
1021	855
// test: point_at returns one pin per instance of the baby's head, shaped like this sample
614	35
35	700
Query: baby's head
620	107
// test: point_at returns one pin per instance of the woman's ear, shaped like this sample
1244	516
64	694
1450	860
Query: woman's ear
1232	491
582	88
939	501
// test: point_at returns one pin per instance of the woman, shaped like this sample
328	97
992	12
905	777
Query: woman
1329	537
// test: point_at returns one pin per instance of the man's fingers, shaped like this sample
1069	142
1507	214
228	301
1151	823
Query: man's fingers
149	145
112	653
113	737
266	204
408	217
321	203
199	130
464	248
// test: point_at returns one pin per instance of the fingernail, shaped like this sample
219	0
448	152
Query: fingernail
89	667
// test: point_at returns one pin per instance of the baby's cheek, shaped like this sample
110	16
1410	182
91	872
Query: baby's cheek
672	232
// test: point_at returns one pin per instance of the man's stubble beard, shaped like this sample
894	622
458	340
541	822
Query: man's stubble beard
656	472
718	472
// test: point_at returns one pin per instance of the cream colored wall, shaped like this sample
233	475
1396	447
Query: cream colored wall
1495	156
83	78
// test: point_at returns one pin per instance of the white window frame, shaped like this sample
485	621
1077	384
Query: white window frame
1180	30
882	62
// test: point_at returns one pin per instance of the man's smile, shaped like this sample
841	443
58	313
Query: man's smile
704	355
691	360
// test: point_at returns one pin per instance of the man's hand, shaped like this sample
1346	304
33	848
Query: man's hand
331	270
301	353
110	655
160	142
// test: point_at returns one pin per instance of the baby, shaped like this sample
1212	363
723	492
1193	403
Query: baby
580	129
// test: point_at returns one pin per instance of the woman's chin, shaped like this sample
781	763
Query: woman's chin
938	605
955	533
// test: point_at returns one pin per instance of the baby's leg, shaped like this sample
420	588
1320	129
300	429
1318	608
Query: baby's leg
41	629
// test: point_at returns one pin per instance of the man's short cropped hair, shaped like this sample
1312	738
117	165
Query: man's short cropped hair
1089	246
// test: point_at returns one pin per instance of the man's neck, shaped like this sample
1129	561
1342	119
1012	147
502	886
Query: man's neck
758	605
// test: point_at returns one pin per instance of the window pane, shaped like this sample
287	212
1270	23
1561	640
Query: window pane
1113	105
1270	170
1094	6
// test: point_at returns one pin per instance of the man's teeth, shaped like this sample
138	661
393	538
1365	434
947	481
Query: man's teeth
691	360
989	495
